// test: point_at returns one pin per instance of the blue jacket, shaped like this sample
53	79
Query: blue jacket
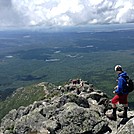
121	83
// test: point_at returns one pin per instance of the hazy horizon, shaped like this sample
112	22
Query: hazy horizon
86	28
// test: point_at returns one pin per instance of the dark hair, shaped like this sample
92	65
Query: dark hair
118	69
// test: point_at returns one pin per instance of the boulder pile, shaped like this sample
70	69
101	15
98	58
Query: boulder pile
75	109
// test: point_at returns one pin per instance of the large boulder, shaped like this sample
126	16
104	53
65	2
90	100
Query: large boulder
128	128
79	120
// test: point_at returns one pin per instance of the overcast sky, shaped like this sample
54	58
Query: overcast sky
65	12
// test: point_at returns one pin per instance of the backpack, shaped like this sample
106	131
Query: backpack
129	84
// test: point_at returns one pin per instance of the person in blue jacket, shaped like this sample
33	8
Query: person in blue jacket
121	95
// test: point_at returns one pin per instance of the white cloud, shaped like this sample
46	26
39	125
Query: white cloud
95	2
126	13
65	12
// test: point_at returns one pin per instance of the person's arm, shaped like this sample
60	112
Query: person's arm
120	86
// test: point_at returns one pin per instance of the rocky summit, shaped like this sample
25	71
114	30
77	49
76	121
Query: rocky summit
74	108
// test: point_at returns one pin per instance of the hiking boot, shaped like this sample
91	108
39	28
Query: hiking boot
124	113
112	117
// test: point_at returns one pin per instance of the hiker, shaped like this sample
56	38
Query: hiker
76	81
120	96
78	91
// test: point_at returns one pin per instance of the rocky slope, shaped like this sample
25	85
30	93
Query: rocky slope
73	109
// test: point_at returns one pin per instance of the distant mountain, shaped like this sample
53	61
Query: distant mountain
73	108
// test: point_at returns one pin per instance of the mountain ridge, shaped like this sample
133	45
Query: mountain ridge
75	107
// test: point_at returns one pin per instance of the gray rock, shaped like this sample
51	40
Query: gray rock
128	128
75	119
96	96
67	113
80	101
30	122
9	120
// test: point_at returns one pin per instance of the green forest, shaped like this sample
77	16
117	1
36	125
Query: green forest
29	57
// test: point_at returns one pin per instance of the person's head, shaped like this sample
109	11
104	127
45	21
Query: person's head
118	69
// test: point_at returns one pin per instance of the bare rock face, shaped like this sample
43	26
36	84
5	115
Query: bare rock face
128	128
70	112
